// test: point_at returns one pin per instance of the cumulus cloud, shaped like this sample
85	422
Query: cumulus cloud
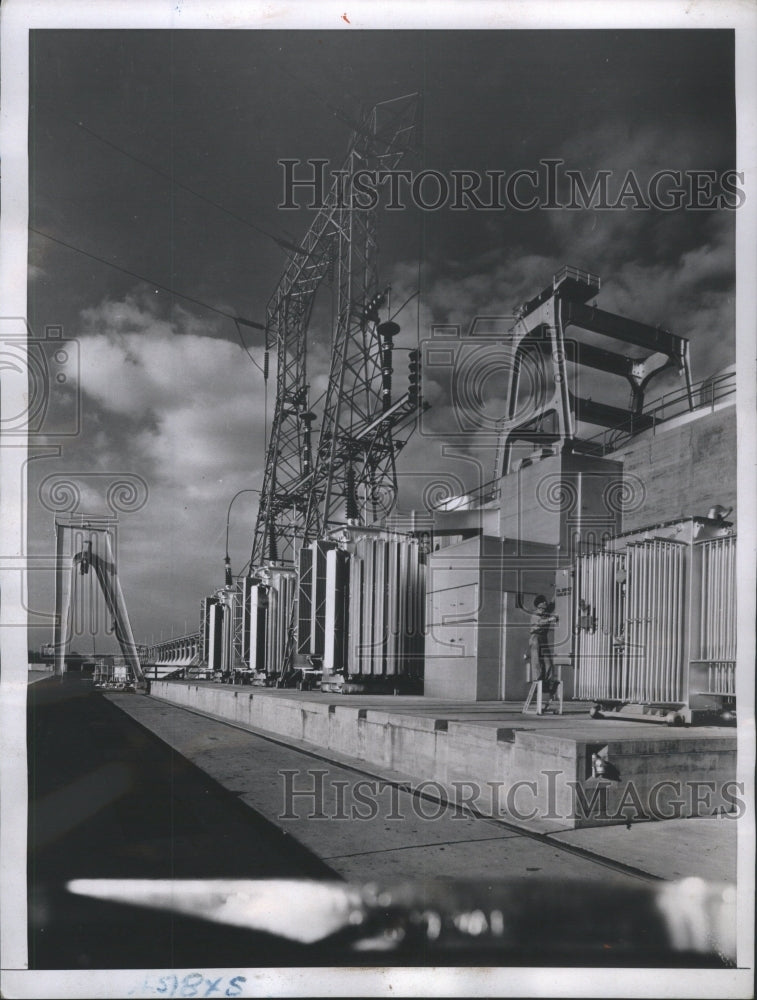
614	237
693	295
191	400
173	404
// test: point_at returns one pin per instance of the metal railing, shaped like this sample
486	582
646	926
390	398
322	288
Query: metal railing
585	277
705	394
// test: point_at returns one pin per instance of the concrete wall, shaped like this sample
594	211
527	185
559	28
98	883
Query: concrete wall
685	469
533	775
561	497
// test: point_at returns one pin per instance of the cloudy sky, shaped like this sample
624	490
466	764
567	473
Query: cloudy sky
156	152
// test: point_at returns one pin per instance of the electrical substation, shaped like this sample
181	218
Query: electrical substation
404	638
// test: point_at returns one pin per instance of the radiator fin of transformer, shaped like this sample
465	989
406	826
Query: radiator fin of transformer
717	614
718	600
375	600
635	648
281	593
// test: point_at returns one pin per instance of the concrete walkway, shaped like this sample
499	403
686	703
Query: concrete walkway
362	821
486	714
538	770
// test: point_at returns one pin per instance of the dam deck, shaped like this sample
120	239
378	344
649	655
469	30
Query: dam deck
538	771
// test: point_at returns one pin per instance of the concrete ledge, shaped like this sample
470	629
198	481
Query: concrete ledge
535	772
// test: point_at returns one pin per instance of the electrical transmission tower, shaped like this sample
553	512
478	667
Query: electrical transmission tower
350	468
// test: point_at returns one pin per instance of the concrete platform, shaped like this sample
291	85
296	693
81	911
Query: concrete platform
530	770
366	830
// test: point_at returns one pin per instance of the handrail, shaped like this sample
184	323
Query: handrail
568	271
716	388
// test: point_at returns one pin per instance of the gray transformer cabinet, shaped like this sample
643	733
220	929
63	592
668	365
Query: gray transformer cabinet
481	588
477	627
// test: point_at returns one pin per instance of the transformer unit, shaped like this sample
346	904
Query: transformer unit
373	615
311	599
260	608
254	609
274	601
655	623
211	633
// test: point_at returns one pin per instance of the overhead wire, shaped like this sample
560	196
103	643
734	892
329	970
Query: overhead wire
310	87
314	92
237	320
342	116
149	281
282	243
247	352
407	301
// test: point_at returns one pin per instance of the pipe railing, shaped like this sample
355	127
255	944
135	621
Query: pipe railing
671	404
675	403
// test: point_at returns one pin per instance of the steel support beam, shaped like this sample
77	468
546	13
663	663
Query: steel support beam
592	412
605	361
629	331
542	323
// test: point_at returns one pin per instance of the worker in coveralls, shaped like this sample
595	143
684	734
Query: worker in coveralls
540	644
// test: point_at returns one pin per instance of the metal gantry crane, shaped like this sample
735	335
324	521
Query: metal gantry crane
351	465
551	412
83	542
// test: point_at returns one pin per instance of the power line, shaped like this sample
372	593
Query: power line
284	244
244	346
149	281
406	302
351	122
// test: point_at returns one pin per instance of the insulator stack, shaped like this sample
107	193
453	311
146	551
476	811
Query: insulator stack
414	376
386	376
307	444
387	331
371	308
351	508
273	551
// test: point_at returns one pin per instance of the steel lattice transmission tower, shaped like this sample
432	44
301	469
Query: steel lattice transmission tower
350	470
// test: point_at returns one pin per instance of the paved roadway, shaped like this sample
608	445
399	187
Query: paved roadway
108	799
123	786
